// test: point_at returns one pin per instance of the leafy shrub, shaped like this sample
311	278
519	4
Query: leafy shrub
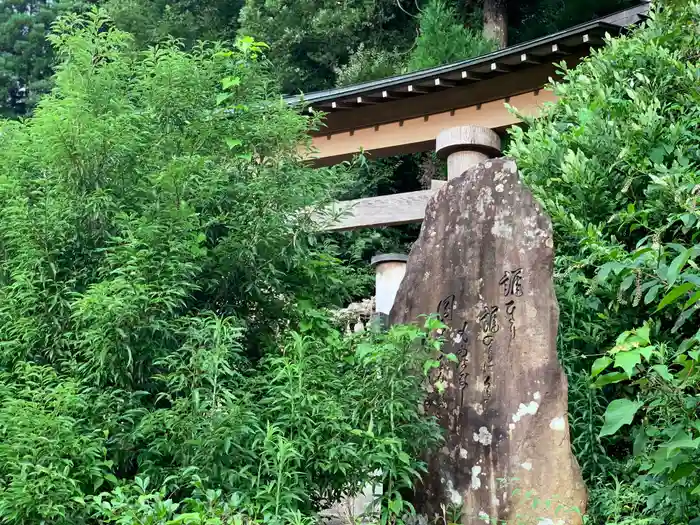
443	39
165	353
367	64
50	456
616	164
309	38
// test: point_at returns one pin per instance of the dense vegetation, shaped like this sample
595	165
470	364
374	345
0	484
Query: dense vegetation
165	353
616	163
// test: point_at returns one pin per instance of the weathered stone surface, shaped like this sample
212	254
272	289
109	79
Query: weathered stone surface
484	263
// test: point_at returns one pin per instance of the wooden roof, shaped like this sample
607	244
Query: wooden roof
499	63
355	114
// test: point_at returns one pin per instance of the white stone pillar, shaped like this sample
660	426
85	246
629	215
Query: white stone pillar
466	146
390	269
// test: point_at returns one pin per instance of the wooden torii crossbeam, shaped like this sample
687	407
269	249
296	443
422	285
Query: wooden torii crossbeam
386	210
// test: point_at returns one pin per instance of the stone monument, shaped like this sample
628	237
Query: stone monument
483	263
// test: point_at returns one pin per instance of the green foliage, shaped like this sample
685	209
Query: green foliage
49	454
366	64
26	58
309	39
167	355
314	45
152	21
615	162
443	38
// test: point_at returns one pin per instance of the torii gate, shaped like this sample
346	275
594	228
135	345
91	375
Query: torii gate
458	110
407	113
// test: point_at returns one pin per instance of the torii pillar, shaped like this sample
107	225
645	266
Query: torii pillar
466	146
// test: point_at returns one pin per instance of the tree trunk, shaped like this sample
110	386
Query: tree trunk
496	21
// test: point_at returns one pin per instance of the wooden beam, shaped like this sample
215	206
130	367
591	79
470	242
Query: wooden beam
441	82
497	67
470	75
529	59
365	100
418	134
387	210
417	89
560	49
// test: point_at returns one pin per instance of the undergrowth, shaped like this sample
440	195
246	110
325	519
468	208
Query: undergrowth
166	355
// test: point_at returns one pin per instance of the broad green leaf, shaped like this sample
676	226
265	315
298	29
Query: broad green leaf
433	323
688	219
643	332
660	465
622	338
112	479
677	265
429	365
647	351
674	294
627	282
652	293
662	370
620	412
628	361
229	82
691	278
605	270
222	97
676	246
681	320
687	344
608	379
189	517
232	143
657	155
682	471
363	350
640	442
682	442
690	302
651	431
599	365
